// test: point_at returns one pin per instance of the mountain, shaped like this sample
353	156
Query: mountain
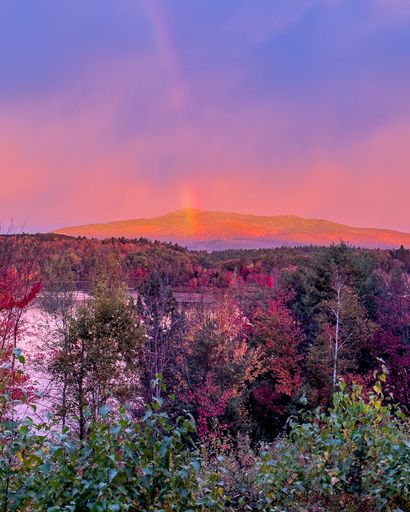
199	229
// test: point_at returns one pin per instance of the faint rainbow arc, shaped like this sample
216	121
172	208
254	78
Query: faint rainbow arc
166	51
190	202
168	55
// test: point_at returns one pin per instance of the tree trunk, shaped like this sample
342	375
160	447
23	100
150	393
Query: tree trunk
336	349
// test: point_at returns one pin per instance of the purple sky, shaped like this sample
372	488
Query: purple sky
114	109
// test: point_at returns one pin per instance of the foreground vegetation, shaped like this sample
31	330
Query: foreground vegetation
354	457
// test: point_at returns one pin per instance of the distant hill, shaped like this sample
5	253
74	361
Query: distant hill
197	229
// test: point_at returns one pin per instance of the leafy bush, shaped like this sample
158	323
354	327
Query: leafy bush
150	465
235	462
356	457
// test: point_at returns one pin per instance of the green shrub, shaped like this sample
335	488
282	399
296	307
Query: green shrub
353	458
356	457
149	465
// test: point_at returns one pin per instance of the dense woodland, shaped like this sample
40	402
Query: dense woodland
236	380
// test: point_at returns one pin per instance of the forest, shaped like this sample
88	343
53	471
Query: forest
274	379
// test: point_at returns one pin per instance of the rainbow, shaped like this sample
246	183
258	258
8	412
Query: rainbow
169	58
166	51
191	211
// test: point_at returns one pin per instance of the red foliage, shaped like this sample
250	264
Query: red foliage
391	340
207	278
138	276
261	279
215	362
276	331
209	405
16	293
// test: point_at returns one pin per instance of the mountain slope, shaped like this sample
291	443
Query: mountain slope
220	230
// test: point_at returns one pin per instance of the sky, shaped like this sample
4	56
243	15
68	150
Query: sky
120	109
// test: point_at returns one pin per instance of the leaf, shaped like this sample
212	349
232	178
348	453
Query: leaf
104	410
19	355
147	415
112	474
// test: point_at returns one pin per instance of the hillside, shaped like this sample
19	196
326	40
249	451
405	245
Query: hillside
199	229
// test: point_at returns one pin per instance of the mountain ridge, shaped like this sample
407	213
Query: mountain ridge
209	230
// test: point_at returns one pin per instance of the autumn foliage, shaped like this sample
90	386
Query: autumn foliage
238	336
237	380
18	288
215	362
278	336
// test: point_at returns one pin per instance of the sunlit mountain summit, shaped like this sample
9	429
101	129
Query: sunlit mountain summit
211	230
